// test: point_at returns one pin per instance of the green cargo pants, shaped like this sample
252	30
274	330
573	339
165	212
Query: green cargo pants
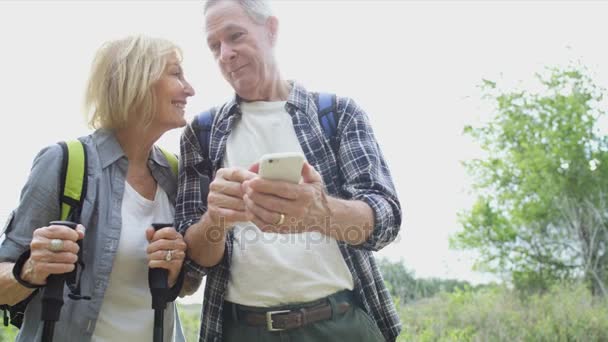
353	325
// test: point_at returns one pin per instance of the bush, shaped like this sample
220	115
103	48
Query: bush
7	333
565	313
189	316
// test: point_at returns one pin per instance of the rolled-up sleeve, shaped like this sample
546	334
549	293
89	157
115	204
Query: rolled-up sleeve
366	174
189	204
38	203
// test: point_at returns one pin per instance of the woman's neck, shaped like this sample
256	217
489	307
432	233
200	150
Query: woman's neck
136	145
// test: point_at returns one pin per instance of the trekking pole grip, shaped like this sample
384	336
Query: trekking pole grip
158	280
52	296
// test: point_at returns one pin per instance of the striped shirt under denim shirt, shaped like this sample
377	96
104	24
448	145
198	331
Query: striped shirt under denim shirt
356	171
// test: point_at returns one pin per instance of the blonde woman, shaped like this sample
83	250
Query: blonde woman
136	92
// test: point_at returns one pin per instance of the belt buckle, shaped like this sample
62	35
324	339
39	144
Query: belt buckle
269	320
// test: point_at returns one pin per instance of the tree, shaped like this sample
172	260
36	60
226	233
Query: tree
546	161
399	280
403	284
586	227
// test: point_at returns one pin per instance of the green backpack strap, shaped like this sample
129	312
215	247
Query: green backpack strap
73	190
73	179
171	158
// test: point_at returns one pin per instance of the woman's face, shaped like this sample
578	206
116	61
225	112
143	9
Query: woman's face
172	91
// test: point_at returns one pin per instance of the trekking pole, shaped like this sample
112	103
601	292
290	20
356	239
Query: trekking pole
52	296
158	279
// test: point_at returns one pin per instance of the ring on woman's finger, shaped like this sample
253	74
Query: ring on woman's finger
56	245
169	255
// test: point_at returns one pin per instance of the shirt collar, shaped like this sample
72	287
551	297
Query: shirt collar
298	97
107	146
110	150
158	157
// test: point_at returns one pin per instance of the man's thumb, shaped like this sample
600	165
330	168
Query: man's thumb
310	175
255	168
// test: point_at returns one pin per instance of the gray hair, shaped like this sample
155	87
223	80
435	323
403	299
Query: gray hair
257	10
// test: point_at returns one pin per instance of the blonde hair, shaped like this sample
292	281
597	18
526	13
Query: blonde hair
120	89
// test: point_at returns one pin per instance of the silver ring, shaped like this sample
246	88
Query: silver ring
56	245
169	256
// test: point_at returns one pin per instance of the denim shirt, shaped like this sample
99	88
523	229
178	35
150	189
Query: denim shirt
101	215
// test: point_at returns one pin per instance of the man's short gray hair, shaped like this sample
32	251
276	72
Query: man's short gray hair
257	10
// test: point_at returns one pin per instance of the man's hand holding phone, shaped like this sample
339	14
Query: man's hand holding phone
289	195
225	200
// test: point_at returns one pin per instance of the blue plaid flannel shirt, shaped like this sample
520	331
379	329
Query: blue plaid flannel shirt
357	171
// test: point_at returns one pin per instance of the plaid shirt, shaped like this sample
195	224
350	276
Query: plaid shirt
355	170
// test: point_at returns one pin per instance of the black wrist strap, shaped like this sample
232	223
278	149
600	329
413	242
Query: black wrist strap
177	288
17	271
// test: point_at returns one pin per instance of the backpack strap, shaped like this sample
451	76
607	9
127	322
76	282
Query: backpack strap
171	158
204	121
73	180
327	109
73	187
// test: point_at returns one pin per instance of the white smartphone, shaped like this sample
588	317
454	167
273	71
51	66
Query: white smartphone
285	167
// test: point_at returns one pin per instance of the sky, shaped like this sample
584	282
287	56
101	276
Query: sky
414	67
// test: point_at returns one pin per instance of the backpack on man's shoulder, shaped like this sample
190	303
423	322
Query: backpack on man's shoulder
328	118
73	191
326	108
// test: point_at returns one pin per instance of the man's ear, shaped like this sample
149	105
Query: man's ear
272	25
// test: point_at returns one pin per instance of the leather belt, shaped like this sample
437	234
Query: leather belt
278	320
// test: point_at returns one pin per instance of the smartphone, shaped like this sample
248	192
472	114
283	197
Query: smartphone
285	167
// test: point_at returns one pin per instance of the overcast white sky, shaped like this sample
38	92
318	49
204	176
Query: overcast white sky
414	67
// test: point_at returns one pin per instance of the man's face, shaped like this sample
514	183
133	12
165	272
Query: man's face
242	49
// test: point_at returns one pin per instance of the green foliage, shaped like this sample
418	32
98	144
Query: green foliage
543	152
8	333
564	313
404	287
189	316
400	281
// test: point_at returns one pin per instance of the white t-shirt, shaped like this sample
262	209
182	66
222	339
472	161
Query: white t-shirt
126	312
269	269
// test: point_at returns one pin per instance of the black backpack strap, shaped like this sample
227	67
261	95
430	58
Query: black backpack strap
5	309
14	314
329	117
204	123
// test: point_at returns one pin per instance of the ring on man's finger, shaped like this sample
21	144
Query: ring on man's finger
281	220
56	245
169	255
